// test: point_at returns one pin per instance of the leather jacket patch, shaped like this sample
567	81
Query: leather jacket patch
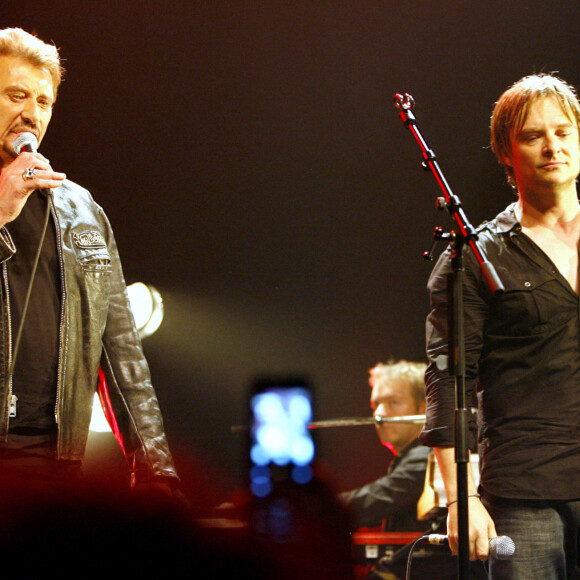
89	239
92	252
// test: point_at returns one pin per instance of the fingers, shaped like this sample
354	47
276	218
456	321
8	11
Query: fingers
33	160
480	548
36	172
483	554
478	545
485	531
28	172
481	530
42	178
453	544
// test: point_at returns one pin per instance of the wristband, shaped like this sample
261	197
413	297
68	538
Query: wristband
456	500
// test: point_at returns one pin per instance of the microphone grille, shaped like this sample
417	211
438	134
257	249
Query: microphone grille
25	141
502	547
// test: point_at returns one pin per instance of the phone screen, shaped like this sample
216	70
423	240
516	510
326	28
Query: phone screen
281	444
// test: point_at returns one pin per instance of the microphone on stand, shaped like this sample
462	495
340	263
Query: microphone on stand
500	548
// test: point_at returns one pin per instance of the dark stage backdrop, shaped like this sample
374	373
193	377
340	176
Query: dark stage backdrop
255	170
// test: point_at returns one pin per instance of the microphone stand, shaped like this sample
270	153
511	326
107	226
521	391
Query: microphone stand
456	360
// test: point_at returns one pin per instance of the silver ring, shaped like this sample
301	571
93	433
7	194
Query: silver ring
29	173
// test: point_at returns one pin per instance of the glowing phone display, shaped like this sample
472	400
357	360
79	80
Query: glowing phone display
281	442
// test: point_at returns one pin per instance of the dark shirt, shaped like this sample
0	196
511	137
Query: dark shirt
35	374
522	367
393	496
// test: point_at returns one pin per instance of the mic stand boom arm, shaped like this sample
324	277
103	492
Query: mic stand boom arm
456	360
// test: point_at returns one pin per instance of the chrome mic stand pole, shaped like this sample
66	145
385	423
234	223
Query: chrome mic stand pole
456	364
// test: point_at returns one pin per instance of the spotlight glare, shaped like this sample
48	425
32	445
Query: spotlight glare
99	423
147	308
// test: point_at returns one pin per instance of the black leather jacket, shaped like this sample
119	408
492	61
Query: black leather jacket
97	333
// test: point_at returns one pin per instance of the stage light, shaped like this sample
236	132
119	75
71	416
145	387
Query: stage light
147	308
99	423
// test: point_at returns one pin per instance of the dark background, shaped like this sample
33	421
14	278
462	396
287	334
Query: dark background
251	161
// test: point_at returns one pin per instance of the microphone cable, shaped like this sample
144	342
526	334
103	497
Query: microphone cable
16	347
410	555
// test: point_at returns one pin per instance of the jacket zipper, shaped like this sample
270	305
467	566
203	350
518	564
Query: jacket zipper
11	398
62	307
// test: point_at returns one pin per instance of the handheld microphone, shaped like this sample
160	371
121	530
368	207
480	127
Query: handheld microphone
500	548
28	142
25	142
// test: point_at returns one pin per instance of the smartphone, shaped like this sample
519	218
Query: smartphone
281	445
297	525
